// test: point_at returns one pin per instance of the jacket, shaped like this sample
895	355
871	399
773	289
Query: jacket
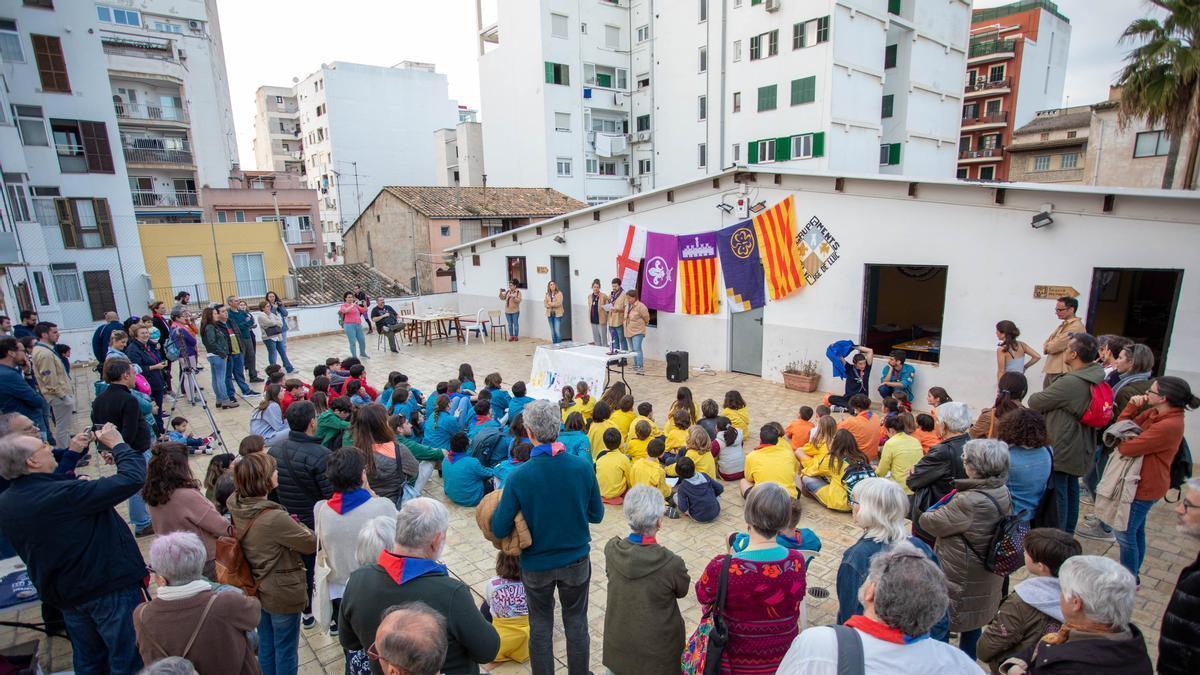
1156	445
68	532
188	510
302	483
554	304
616	315
144	356
273	547
101	336
243	323
164	626
1179	636
215	339
637	316
266	321
933	478
1029	612
52	377
963	527
836	353
1055	347
117	404
1085	653
1062	404
516	540
329	425
16	396
643	629
598	301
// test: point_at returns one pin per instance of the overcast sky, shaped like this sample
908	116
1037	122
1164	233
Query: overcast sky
272	41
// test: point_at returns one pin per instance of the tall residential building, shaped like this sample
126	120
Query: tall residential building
68	234
458	154
1016	66
168	82
629	95
361	128
277	144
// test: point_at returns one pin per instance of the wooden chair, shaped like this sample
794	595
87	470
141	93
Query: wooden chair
496	324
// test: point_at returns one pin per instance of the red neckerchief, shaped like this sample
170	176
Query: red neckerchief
402	569
480	419
881	632
643	540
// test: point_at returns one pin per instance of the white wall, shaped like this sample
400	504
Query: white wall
1043	69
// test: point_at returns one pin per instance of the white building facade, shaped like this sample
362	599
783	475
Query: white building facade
458	155
618	97
277	144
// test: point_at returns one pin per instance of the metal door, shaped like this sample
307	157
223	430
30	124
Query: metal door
560	274
746	342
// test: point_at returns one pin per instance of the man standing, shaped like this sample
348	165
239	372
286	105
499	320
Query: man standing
101	336
80	554
16	396
1055	348
558	495
53	380
243	327
411	639
117	405
386	321
29	319
1179	641
1063	403
234	371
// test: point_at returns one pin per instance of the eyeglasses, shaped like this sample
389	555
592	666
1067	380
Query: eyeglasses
373	652
1188	506
1155	392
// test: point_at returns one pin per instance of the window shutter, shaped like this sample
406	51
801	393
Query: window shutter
66	223
95	147
99	289
887	107
52	67
752	152
894	154
783	149
807	89
104	222
818	144
795	92
893	6
549	73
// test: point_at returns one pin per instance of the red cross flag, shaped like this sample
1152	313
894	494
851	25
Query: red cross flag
631	253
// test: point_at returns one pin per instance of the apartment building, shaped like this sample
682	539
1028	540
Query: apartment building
1016	66
271	196
640	94
458	155
170	89
277	142
363	127
68	235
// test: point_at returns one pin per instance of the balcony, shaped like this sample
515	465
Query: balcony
981	155
991	50
293	236
983	87
145	48
154	113
159	155
150	198
985	121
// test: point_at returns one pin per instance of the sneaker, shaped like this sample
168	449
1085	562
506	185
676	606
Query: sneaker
257	379
837	409
308	620
672	512
208	450
333	628
251	393
1093	528
366	356
144	532
1086	497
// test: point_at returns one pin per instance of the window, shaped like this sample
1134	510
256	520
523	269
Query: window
558	25
1151	144
66	282
889	56
737	101
888	106
992	107
164	27
702	155
558	73
764	45
82	146
52	67
39	283
703	59
562	121
889	154
239	216
583	28
703	11
970	111
996	73
702	107
445	230
1070	160
98	286
987	172
320	112
124	17
612	37
643	81
766	98
643	33
591	166
643	166
823	29
804	90
43	205
250	274
85	223
516	271
1041	163
16	197
737	50
10	42
802	146
563	166
607	168
608	77
222	216
1044	137
887	294
642	123
894	7
1072	134
736	152
39	4
798	35
31	124
766	151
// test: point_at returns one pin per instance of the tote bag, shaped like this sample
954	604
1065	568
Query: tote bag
322	605
702	654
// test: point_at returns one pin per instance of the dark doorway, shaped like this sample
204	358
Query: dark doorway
560	274
1137	303
902	310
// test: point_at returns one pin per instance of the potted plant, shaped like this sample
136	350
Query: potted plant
801	376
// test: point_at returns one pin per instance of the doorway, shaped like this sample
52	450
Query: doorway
1137	303
560	274
746	341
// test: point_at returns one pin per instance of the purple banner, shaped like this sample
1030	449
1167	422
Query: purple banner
659	269
697	246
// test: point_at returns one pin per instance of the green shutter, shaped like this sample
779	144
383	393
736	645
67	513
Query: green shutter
755	2
752	152
894	154
808	89
549	73
818	144
893	6
795	91
766	98
783	149
888	104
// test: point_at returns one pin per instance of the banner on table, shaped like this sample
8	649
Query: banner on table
627	260
698	272
776	230
659	271
742	267
555	368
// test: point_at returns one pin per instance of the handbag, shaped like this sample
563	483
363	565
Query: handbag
322	604
1046	514
272	331
702	655
191	640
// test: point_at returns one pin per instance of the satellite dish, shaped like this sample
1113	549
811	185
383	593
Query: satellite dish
324	66
295	80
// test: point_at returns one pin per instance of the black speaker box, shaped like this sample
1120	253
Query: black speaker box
677	366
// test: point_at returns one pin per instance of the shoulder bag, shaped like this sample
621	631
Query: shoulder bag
233	569
191	640
322	605
850	658
702	655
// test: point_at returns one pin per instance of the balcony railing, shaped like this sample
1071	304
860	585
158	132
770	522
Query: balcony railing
145	111
982	153
148	198
71	158
991	47
158	155
983	85
987	118
299	236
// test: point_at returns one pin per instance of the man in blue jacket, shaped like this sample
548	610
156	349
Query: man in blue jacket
16	396
103	332
80	554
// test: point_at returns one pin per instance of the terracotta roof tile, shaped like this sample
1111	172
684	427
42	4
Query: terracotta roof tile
490	202
323	284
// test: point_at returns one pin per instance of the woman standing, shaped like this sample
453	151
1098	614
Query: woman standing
272	543
215	337
389	464
554	311
1013	355
1029	458
279	310
637	316
351	315
1134	366
512	308
157	308
176	504
144	353
597	315
180	331
273	327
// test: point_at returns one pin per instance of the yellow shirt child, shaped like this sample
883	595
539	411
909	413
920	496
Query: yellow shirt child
773	464
647	471
596	435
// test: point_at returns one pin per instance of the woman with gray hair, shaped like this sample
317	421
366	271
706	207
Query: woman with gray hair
903	596
934	475
963	526
766	583
375	536
643	629
878	507
209	624
1097	637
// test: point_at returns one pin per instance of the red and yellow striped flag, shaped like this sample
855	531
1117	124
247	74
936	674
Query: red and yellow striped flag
776	230
698	273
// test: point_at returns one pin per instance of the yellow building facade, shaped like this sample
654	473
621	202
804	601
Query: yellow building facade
212	261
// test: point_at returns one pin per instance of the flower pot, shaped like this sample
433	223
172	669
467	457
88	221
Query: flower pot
798	382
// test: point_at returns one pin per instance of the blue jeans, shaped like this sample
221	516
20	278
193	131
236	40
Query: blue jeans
968	640
1092	478
1066	488
138	514
514	323
102	635
555	322
356	338
217	367
635	343
235	373
278	642
571	582
1133	540
617	340
276	351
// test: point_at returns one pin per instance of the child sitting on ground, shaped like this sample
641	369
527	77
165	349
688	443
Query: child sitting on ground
648	470
179	434
354	391
646	412
900	453
797	539
293	390
731	458
219	465
639	441
612	467
925	433
902	399
819	413
464	478
677	433
696	495
584	403
518	401
250	445
600	424
819	442
737	412
699	450
799	431
519	453
831	480
333	423
574	439
623	416
508	610
566	403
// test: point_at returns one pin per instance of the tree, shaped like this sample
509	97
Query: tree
1160	81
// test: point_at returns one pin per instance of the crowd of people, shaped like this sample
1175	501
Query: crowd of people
324	520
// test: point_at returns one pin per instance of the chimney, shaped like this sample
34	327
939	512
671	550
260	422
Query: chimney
1114	93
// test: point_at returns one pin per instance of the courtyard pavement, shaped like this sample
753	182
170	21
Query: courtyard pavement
471	558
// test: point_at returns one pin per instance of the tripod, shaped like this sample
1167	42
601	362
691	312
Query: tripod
188	381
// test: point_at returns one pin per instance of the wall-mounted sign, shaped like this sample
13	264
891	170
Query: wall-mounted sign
542	269
1046	292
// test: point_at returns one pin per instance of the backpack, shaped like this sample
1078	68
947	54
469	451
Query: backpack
232	567
484	444
1181	469
171	346
1100	411
1005	552
855	473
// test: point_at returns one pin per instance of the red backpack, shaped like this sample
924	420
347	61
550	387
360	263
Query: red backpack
1100	411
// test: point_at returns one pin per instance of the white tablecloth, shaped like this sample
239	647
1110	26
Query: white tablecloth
555	368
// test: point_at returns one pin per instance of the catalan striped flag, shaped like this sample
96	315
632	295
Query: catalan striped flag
776	230
698	273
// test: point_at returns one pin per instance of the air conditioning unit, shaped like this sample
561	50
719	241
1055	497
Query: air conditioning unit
643	136
197	26
182	55
771	5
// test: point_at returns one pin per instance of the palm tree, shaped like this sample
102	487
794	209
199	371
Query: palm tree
1160	81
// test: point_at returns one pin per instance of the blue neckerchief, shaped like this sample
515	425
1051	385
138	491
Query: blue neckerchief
641	540
544	449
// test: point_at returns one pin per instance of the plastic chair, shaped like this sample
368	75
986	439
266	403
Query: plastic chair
477	326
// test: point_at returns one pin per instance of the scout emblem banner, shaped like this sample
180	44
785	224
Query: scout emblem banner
659	271
742	267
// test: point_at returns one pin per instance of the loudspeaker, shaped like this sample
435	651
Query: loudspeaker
677	366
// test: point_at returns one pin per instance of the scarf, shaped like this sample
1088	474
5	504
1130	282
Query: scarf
185	591
453	457
883	632
403	569
551	449
643	540
345	502
1127	378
